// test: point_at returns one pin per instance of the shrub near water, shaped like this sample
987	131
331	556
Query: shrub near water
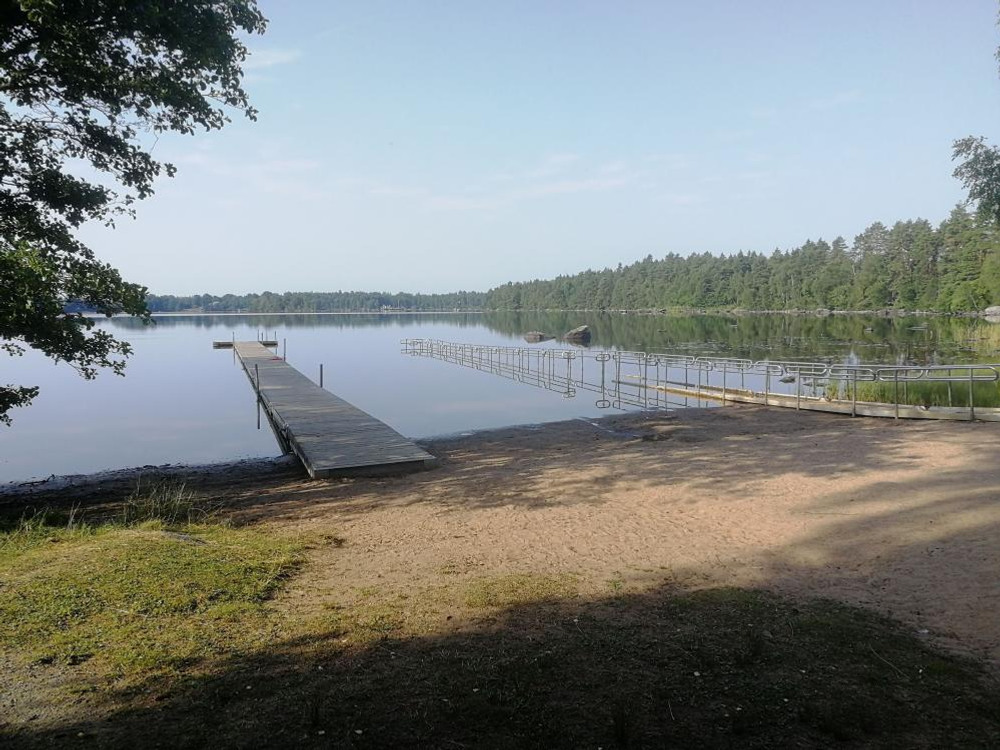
138	597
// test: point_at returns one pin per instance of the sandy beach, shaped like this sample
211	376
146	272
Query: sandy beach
900	517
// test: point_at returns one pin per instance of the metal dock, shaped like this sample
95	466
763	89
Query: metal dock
656	380
330	436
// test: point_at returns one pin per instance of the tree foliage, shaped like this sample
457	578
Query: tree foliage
85	87
313	302
979	172
912	265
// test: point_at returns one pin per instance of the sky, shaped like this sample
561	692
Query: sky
439	146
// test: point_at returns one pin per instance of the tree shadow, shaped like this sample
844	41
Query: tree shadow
923	550
711	669
581	461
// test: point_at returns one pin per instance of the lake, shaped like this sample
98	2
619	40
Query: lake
182	401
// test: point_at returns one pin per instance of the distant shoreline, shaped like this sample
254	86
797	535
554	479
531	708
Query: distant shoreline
193	314
666	312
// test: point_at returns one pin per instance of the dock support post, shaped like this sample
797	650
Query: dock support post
767	386
854	398
723	383
895	391
798	390
284	350
256	378
972	405
321	375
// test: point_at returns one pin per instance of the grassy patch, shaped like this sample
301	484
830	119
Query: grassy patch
145	593
916	393
517	589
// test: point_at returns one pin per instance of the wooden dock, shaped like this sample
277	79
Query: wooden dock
330	436
232	344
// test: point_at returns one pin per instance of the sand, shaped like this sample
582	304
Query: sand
900	517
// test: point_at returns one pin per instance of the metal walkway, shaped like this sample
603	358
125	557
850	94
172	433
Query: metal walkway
330	436
645	380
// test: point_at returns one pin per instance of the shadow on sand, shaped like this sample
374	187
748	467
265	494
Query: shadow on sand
714	669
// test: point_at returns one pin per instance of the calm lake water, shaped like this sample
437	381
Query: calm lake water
183	402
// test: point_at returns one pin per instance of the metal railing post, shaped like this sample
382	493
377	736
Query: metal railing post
895	391
972	404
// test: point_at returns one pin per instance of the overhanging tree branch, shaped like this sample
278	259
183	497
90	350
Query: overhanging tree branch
82	80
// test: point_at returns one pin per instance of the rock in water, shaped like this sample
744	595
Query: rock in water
536	337
992	311
581	335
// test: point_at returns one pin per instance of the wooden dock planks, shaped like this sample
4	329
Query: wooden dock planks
330	436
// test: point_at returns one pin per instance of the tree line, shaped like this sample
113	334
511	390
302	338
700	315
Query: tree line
313	302
912	265
954	267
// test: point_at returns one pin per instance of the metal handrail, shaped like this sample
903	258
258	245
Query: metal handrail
643	379
825	370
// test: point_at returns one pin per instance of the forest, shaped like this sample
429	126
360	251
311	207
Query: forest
313	302
954	267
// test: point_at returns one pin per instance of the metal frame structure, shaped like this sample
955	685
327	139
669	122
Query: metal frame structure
645	379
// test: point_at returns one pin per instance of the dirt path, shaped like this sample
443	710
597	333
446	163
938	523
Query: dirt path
900	517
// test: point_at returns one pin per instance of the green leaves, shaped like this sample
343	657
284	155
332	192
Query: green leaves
979	172
80	81
912	265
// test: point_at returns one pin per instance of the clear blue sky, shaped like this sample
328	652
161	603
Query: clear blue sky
438	146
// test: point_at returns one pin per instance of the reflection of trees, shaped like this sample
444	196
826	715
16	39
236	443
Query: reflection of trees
869	338
919	340
273	322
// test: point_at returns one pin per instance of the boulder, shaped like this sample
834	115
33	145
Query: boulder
580	334
536	337
993	311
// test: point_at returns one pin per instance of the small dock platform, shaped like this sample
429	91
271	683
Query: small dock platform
232	344
330	436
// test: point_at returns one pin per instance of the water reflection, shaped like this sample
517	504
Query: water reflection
620	382
868	339
301	320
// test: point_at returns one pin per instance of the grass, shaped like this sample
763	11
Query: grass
517	589
148	591
984	395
